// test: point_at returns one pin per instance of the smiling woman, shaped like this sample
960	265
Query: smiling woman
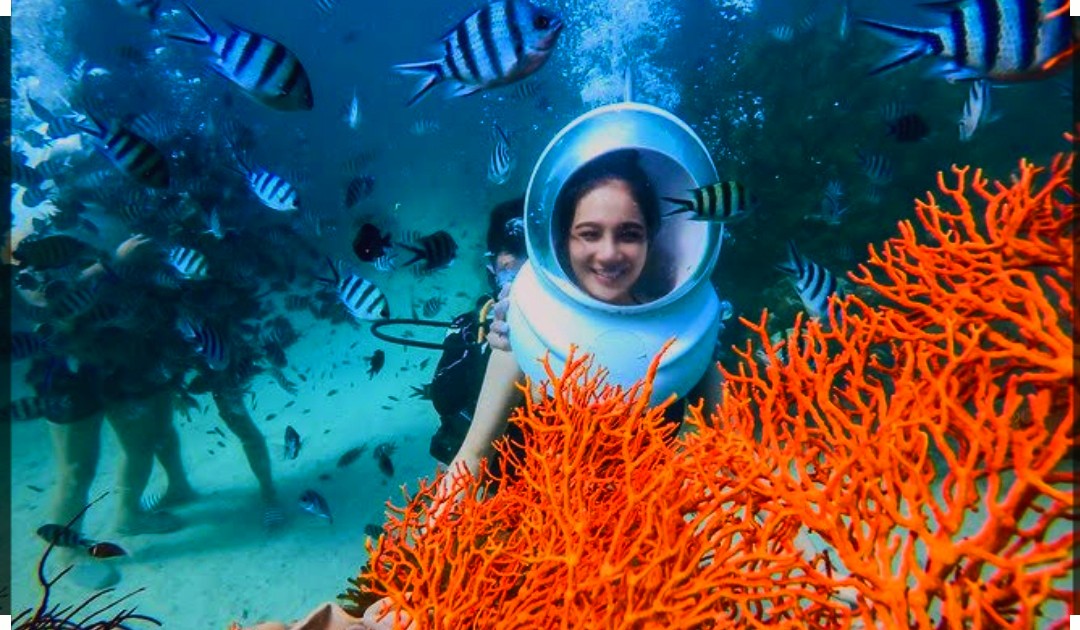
606	217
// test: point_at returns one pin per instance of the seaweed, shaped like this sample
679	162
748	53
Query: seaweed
59	617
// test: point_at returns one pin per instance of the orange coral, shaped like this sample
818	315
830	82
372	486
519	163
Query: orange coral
903	467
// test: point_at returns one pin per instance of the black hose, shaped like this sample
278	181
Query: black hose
408	342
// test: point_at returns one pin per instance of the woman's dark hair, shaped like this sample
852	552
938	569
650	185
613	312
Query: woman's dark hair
621	165
506	228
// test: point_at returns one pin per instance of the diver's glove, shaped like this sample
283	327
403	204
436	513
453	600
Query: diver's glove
499	332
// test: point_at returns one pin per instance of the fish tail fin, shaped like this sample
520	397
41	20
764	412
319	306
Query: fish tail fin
794	261
911	43
208	33
418	254
335	277
685	205
433	70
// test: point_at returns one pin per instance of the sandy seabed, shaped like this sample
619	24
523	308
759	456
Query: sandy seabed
224	566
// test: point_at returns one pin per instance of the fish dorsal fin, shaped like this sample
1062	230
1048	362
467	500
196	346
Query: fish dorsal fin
943	6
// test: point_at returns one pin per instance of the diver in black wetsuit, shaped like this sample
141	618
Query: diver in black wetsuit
460	371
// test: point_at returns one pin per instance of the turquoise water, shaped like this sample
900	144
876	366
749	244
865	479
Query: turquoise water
783	117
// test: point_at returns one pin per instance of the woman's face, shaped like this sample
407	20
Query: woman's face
608	242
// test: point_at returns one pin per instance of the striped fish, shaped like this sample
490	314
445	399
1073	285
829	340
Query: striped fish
722	202
207	341
62	536
272	190
267	71
26	344
52	252
386	262
433	305
1003	40
188	262
502	42
502	158
976	110
358	189
67	303
813	282
34	407
877	167
437	250
130	153
361	297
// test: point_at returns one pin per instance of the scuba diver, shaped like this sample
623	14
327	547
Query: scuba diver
456	383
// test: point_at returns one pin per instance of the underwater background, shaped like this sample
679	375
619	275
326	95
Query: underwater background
778	91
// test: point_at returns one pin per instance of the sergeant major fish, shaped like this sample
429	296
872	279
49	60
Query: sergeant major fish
502	159
188	262
502	42
207	341
976	110
130	153
267	71
1004	40
361	297
437	250
272	190
814	283
721	202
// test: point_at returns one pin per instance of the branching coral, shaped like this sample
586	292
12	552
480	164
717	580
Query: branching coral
904	466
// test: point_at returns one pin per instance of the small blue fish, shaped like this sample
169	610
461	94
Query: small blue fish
292	443
313	503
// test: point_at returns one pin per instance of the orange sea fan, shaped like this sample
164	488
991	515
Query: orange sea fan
903	466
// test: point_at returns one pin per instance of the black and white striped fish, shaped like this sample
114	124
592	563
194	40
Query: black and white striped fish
437	251
433	305
722	202
272	190
26	344
502	158
52	252
877	167
386	262
814	283
1003	40
424	127
502	42
190	263
66	301
129	152
267	71
361	297
62	536
34	407
207	341
358	189
977	110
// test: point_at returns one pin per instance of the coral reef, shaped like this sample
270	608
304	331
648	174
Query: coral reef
905	464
